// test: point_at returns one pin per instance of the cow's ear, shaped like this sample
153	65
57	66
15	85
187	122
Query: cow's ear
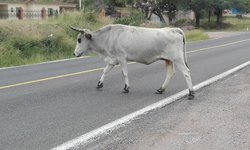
88	36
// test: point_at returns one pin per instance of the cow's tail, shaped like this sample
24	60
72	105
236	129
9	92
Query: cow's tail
180	31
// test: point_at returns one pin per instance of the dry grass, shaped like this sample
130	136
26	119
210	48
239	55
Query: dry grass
29	41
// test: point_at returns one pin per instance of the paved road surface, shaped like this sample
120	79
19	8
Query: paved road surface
218	118
48	113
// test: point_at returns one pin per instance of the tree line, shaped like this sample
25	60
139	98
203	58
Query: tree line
170	7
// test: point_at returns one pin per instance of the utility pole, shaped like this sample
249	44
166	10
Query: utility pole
80	4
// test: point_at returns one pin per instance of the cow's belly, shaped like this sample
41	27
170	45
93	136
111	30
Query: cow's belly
144	61
144	57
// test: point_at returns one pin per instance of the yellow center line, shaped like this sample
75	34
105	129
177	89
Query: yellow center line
49	78
54	77
98	69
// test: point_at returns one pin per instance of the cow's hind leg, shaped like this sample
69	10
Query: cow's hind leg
123	63
186	72
105	71
170	72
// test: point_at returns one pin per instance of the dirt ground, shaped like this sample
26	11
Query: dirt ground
215	35
217	119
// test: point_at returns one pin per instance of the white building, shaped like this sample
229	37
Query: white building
32	10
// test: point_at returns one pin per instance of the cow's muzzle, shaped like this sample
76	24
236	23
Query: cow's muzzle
76	55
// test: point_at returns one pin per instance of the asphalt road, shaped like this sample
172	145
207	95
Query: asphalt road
49	112
217	119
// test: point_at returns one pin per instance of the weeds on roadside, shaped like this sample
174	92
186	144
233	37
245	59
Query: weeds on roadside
32	41
134	19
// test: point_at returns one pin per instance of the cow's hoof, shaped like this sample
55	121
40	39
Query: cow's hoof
159	91
191	95
99	85
126	89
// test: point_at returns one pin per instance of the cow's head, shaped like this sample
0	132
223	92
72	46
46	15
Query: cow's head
83	44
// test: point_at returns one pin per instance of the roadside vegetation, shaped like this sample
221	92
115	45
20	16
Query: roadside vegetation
230	23
33	41
196	35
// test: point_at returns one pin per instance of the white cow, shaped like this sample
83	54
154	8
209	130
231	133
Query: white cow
119	44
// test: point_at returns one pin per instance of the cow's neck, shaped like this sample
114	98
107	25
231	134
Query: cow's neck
100	41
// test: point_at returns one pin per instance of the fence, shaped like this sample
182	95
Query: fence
21	14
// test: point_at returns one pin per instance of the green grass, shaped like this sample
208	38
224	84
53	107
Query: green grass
196	35
237	24
29	41
229	23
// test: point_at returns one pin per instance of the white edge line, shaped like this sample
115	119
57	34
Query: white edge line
218	46
92	135
220	76
47	62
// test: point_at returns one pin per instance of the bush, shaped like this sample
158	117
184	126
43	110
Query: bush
134	19
32	41
215	26
4	34
184	22
91	17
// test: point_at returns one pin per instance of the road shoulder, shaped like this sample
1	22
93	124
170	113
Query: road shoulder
218	118
221	34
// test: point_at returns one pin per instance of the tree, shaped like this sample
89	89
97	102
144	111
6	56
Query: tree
159	7
113	3
197	6
87	4
242	5
219	6
129	2
165	6
209	9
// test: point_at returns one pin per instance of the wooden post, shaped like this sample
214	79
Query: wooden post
43	13
20	14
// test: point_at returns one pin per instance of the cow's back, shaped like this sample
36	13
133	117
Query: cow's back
141	44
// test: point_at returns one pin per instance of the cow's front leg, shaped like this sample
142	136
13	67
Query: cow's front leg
124	66
105	71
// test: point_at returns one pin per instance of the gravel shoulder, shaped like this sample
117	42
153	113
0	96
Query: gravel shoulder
218	118
220	34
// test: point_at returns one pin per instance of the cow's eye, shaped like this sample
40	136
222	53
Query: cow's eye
79	40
